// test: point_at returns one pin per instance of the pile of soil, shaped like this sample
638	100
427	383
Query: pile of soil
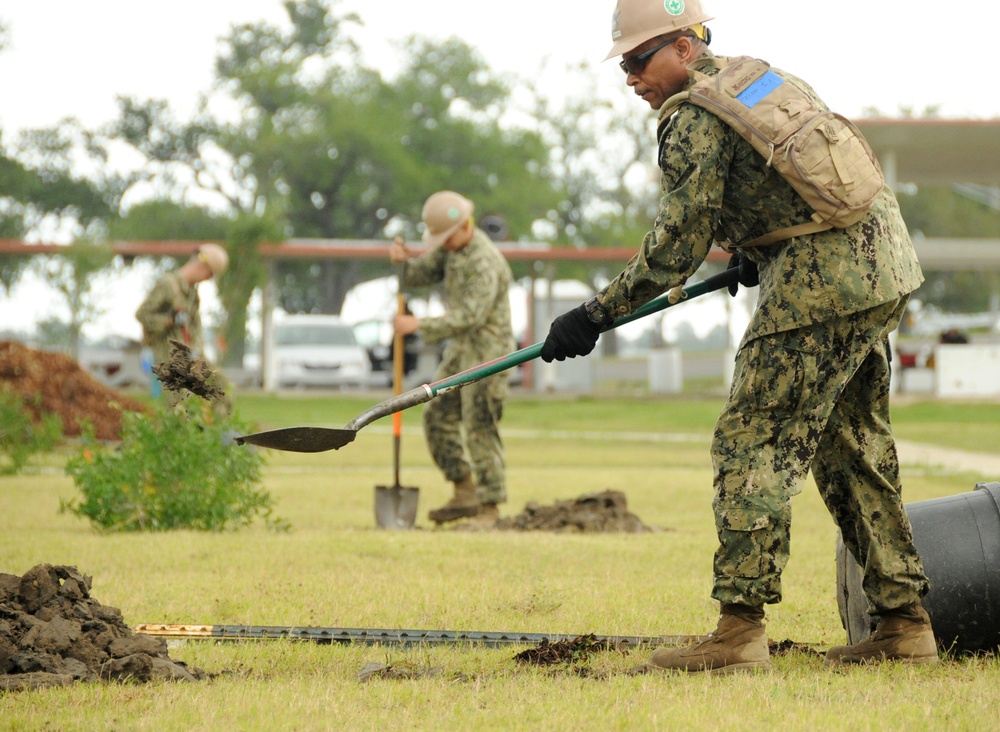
54	383
53	633
567	650
606	511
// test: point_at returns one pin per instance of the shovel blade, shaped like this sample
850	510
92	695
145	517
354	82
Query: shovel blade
300	439
396	507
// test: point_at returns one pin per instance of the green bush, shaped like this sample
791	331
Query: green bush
174	469
20	437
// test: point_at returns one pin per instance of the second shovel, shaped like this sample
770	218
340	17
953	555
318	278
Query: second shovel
395	505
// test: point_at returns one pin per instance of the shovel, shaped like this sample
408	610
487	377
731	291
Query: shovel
321	439
396	506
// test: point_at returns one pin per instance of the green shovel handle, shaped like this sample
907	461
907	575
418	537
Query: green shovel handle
529	353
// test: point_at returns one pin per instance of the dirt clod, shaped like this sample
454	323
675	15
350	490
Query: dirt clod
184	370
606	511
567	650
53	633
53	383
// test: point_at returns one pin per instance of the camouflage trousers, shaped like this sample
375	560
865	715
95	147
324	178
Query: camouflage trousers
813	398
462	428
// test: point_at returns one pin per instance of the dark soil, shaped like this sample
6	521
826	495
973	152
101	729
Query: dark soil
53	633
606	511
185	372
53	383
570	650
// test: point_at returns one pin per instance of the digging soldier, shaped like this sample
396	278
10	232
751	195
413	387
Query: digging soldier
810	389
462	426
172	312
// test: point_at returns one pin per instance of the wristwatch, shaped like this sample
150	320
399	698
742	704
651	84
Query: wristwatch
596	313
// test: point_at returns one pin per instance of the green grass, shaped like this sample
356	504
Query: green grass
335	569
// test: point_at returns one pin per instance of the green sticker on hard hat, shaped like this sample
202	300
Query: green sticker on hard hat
453	213
674	7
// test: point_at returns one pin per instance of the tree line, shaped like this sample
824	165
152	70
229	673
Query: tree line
298	138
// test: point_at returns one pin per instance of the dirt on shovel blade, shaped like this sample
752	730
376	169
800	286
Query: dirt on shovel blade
185	371
53	633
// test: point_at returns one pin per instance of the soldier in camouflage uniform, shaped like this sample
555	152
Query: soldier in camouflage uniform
462	426
172	312
811	382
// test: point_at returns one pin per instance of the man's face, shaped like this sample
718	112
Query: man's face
657	70
459	239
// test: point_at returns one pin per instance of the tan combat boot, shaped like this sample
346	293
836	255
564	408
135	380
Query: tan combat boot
739	643
462	504
903	634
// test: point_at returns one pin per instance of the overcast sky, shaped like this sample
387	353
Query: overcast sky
71	58
67	57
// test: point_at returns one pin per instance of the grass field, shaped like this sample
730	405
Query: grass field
335	569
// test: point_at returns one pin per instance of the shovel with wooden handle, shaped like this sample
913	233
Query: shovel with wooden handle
396	506
321	439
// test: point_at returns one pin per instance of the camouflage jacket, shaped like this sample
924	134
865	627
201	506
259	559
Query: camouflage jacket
158	315
716	187
476	288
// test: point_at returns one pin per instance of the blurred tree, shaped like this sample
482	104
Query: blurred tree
71	273
41	192
603	158
331	150
945	211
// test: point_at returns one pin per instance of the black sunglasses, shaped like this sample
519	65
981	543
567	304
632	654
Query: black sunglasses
635	64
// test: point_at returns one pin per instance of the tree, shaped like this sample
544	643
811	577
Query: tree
41	192
353	156
603	158
71	274
943	211
324	147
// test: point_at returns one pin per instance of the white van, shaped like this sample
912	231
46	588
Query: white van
319	350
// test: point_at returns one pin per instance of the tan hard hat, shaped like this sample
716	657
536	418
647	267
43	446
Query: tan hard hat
636	21
445	212
215	257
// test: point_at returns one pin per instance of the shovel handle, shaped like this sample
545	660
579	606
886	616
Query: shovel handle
426	392
529	353
398	344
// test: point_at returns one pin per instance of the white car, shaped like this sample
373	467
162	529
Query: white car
319	350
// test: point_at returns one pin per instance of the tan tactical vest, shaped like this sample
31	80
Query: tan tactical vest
820	153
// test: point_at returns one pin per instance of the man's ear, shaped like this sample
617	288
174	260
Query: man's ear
685	48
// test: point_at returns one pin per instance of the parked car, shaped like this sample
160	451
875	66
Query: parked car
115	361
319	350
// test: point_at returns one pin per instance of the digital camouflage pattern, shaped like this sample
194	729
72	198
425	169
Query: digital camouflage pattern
716	187
477	325
170	302
814	397
811	384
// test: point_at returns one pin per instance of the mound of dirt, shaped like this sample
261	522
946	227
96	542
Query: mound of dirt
53	383
606	511
53	633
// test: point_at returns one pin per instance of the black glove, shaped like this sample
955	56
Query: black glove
571	334
748	276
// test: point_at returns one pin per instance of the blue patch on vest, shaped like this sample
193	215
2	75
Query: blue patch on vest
760	88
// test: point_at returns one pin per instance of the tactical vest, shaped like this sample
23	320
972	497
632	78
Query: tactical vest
821	154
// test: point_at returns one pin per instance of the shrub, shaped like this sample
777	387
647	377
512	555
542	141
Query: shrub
20	436
175	469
